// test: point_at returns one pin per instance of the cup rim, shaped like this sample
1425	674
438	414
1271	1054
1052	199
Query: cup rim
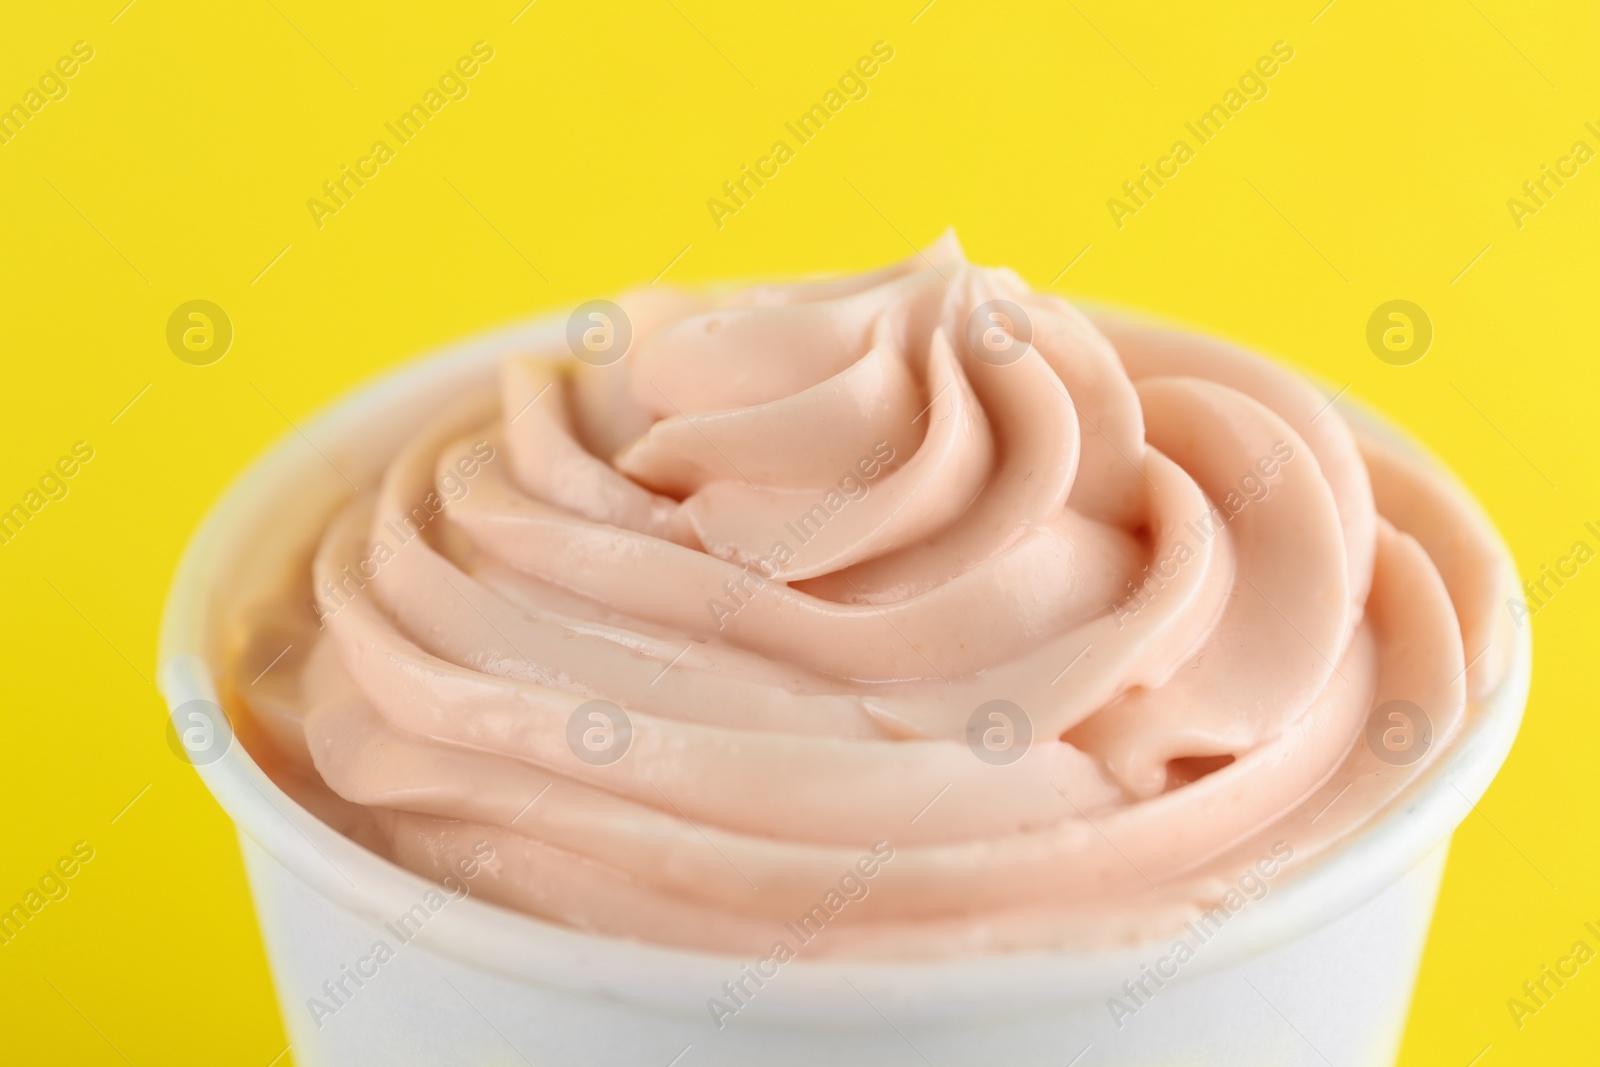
527	949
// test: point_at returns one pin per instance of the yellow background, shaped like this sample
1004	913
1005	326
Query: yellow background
180	163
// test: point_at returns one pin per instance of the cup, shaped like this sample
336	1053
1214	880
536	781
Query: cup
1320	970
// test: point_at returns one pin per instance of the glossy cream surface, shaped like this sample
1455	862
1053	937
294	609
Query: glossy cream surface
794	545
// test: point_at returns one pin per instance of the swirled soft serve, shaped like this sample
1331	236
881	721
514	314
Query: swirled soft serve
1076	618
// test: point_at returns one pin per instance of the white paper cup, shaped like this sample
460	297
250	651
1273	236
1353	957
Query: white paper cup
1320	970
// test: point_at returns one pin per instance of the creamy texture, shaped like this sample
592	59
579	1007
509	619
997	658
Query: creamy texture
799	534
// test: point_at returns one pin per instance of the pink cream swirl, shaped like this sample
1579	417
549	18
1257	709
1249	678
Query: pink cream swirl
798	539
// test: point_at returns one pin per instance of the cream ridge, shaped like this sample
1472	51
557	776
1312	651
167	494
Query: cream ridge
1074	616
